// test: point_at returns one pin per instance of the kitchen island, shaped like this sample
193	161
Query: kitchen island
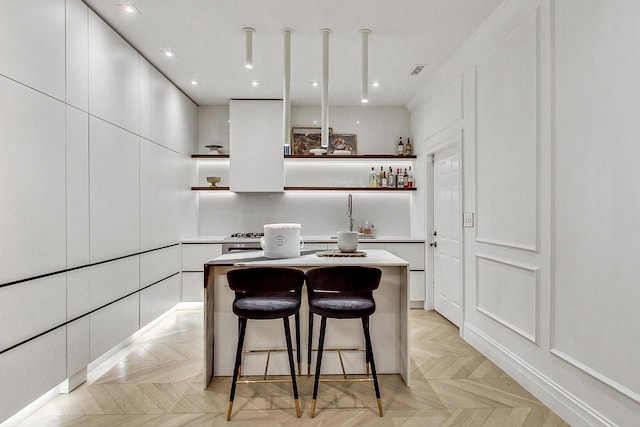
389	325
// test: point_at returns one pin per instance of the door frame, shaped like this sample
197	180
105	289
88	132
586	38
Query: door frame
435	144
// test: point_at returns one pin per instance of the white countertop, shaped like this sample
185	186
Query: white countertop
375	257
326	238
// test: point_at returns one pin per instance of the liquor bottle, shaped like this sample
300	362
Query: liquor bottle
391	178
384	180
408	148
400	147
373	178
380	177
399	179
405	179
410	178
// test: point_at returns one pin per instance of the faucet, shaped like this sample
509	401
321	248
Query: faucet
350	211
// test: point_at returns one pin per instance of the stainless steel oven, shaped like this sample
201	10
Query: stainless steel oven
231	247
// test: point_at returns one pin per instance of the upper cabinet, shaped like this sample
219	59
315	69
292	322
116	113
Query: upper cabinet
32	44
114	86
256	146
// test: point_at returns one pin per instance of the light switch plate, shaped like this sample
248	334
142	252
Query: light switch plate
468	219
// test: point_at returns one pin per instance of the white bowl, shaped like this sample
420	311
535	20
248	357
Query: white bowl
317	151
341	152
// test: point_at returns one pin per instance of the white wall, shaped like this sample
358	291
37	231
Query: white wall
545	95
94	165
378	131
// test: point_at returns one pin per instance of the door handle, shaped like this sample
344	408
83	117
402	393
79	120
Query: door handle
434	244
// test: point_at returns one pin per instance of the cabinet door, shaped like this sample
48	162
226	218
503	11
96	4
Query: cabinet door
412	252
194	255
256	144
417	286
192	286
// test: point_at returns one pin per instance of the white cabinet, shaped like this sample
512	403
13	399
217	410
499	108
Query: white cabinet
112	324
174	118
28	308
32	182
158	298
256	146
114	86
77	153
30	370
412	252
114	191
194	255
77	54
159	264
418	290
32	44
162	195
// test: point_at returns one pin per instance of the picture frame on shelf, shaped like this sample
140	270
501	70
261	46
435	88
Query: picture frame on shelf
304	139
343	144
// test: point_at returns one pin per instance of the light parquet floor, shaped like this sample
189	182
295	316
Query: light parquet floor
157	381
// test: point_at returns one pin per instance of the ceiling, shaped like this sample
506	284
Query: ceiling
209	42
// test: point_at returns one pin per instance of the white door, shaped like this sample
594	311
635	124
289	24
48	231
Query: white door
445	241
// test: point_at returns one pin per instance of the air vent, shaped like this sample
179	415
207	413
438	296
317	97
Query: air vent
417	69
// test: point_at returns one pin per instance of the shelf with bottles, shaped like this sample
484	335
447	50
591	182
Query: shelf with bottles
315	188
390	157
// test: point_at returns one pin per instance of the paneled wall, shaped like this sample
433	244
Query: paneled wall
545	94
94	178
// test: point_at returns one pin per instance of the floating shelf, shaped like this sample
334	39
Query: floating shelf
347	189
210	188
355	156
209	156
314	189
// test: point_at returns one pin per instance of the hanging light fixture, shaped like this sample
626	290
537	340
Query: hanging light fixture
286	90
324	141
364	78
248	33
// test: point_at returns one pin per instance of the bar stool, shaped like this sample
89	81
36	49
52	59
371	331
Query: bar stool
344	292
266	293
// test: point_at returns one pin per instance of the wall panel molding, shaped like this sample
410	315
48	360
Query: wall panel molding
594	238
525	327
507	134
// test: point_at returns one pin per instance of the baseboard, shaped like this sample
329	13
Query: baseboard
566	405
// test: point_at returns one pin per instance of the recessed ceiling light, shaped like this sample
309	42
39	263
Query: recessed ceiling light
169	54
255	83
194	82
129	8
417	69
364	101
375	84
315	84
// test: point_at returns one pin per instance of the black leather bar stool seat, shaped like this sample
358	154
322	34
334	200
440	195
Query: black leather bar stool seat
266	307
263	293
343	292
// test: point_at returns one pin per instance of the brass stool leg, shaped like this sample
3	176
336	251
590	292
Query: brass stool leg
234	379
287	334
323	327
367	338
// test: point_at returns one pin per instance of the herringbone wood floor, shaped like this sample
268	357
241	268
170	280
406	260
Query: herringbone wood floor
157	381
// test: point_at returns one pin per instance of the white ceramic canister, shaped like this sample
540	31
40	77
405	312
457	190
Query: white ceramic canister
281	240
